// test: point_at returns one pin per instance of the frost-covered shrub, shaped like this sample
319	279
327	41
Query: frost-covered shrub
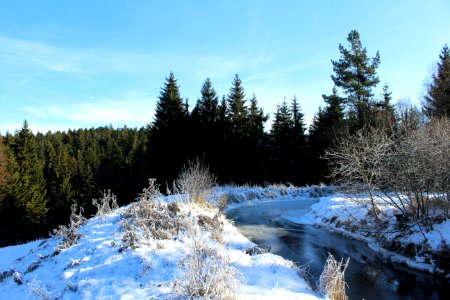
195	181
332	280
70	234
106	204
153	219
36	288
215	224
207	274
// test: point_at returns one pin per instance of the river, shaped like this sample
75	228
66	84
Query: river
368	276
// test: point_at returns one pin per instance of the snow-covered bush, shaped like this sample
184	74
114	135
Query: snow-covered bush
70	234
195	181
36	288
154	219
332	280
106	204
207	274
215	224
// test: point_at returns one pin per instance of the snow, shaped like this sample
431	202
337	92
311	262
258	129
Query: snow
346	214
97	268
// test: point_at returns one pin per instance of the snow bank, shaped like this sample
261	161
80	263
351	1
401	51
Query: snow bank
98	267
346	215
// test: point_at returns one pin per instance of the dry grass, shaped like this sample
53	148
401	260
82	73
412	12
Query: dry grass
207	274
195	181
332	281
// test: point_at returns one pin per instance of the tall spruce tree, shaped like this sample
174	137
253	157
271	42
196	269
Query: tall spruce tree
238	111
355	74
206	110
280	157
298	125
169	140
436	102
205	122
29	192
59	171
256	119
325	128
4	172
383	115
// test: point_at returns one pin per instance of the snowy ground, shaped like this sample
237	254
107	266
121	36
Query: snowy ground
99	267
344	215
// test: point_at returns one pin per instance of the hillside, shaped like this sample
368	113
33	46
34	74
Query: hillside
166	249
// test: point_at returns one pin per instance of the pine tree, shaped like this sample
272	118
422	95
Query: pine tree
206	110
205	124
4	173
59	171
383	114
298	125
281	126
169	140
436	102
355	74
280	157
30	192
325	128
256	119
238	112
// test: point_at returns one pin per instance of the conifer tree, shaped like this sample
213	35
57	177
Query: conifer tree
256	119
355	74
59	171
169	140
206	110
325	128
282	124
436	102
384	112
238	112
205	122
30	191
298	125
4	172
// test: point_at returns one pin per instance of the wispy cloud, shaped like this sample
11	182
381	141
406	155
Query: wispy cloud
133	110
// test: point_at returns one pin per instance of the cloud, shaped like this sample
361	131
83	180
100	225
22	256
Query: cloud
18	53
134	110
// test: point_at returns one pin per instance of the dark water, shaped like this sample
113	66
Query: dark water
368	276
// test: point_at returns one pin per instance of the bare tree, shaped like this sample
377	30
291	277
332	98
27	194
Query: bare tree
408	169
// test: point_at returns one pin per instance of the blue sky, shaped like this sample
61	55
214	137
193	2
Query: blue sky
72	64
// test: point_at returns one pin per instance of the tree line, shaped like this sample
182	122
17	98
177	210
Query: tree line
42	175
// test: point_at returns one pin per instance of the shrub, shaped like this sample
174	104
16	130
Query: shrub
195	181
407	169
35	288
332	280
106	204
70	234
207	274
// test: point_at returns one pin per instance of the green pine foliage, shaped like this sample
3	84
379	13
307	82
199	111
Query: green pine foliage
355	73
28	194
237	109
169	136
436	102
288	145
323	132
